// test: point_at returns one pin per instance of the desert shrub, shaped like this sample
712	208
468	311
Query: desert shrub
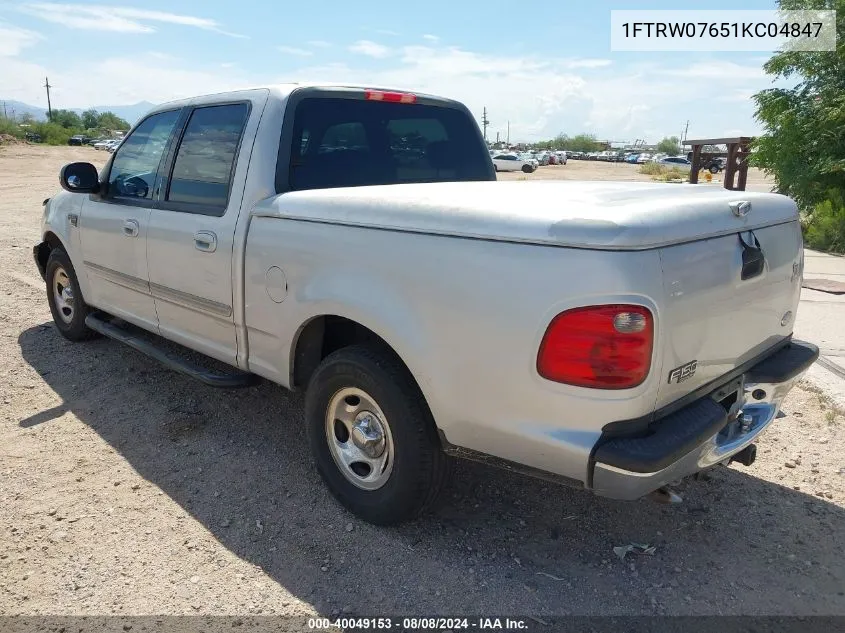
663	173
824	227
7	126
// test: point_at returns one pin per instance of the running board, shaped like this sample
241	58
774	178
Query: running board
235	380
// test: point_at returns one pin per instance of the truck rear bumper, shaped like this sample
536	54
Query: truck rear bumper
702	434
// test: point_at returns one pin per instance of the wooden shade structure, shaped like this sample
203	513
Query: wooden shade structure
736	169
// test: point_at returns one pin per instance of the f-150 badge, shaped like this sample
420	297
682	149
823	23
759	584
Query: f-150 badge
682	373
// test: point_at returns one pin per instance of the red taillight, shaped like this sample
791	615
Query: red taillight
390	97
603	347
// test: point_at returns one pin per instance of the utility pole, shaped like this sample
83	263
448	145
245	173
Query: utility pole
4	110
509	133
497	138
49	107
485	123
684	137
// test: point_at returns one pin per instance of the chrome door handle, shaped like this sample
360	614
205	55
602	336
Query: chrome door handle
205	241
130	228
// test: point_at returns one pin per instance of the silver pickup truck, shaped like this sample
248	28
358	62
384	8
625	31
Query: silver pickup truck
354	243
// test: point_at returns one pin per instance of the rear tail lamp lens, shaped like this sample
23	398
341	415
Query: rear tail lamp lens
603	347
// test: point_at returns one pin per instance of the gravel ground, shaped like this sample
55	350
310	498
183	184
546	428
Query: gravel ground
127	489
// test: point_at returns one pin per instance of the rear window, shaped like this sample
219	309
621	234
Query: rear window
349	143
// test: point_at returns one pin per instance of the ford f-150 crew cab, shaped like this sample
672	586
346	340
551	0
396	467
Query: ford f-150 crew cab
354	243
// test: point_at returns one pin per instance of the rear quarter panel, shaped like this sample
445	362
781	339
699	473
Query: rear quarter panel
466	316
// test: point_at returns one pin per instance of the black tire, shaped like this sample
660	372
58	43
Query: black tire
419	465
70	325
527	169
714	169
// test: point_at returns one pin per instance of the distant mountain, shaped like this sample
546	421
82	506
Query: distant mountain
18	108
129	112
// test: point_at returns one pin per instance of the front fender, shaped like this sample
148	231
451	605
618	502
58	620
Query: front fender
60	225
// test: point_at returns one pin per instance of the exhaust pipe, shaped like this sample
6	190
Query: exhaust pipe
665	495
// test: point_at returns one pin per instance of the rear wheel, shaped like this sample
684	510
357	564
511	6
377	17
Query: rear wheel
372	436
65	297
527	169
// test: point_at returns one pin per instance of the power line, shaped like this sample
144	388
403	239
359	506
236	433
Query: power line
49	107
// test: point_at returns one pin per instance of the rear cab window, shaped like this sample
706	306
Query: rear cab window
348	142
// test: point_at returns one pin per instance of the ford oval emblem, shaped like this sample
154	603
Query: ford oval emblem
741	208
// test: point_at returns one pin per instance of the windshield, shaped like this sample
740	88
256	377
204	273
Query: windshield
348	142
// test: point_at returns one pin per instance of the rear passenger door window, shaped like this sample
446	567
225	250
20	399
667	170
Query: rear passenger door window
201	177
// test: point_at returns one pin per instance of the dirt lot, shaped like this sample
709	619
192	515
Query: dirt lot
127	489
595	170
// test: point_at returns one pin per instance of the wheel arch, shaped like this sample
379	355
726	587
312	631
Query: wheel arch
50	242
322	334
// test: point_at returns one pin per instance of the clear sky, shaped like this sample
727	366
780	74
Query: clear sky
545	66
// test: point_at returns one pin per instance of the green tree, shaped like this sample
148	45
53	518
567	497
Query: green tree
110	121
669	145
52	133
583	143
67	119
90	118
803	145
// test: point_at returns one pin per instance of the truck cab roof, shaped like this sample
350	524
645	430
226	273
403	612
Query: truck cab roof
281	91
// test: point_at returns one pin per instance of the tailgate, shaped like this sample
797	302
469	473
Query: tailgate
713	319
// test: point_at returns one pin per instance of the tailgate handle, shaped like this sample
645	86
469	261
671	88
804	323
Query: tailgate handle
753	258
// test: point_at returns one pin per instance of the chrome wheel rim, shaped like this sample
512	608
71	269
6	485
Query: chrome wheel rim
359	438
63	295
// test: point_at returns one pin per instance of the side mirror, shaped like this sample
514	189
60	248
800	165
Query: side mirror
80	178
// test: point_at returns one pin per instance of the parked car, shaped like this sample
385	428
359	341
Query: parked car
645	157
106	143
715	165
426	311
512	162
78	139
32	137
632	158
676	161
528	158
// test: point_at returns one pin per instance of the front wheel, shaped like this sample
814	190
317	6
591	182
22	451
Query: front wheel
714	169
372	436
527	169
65	297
